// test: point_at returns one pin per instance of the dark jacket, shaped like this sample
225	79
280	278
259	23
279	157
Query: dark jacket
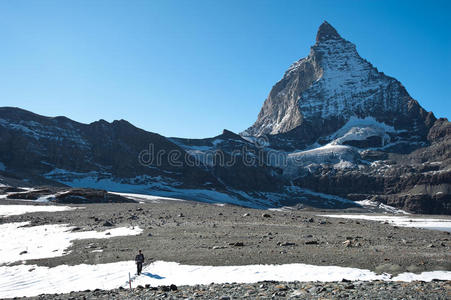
139	258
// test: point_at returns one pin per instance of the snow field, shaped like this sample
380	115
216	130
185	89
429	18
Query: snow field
31	280
13	210
19	243
402	221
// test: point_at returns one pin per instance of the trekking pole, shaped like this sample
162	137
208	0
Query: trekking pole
129	280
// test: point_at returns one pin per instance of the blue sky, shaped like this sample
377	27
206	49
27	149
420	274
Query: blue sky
193	68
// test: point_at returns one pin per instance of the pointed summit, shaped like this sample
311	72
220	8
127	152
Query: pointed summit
323	91
326	32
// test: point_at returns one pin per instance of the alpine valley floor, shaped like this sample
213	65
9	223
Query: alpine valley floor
210	238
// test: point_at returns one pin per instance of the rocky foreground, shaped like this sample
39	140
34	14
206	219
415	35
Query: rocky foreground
275	290
195	233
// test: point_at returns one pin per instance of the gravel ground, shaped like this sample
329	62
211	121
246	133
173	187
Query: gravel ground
204	234
275	290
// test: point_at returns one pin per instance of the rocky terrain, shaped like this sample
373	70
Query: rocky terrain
195	233
274	290
204	234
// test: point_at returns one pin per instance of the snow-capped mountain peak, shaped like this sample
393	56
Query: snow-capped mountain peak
320	93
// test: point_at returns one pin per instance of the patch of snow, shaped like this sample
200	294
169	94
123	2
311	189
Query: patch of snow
192	274
189	147
45	199
146	198
402	221
361	129
14	210
389	209
39	131
217	141
211	196
339	155
140	184
32	280
46	241
321	195
425	276
371	122
343	164
280	209
248	138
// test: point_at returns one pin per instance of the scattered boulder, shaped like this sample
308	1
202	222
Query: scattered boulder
107	224
286	244
237	244
347	243
30	195
218	247
79	196
311	242
281	287
165	288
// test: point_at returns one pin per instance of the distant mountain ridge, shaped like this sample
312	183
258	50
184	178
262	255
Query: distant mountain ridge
334	132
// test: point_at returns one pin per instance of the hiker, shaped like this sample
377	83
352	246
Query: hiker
139	259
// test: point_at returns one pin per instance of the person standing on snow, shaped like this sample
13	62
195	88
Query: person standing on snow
139	259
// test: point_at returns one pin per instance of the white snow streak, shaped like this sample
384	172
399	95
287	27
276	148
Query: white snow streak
31	280
402	221
13	210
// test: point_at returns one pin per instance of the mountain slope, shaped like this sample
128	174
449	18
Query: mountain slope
58	148
320	93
